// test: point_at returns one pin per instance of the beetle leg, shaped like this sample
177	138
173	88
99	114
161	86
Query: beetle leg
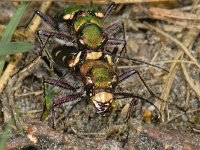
125	75
115	28
111	7
58	72
25	67
60	83
132	104
48	20
61	101
73	107
129	73
114	41
57	35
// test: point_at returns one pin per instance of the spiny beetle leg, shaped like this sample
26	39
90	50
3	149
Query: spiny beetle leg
125	75
58	72
114	41
132	104
61	101
111	7
25	67
114	28
114	53
53	34
60	83
73	107
128	115
132	72
48	20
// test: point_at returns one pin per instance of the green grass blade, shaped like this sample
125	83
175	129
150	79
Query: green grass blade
5	135
48	101
13	23
14	47
6	38
2	62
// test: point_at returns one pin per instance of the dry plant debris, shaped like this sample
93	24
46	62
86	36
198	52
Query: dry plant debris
156	32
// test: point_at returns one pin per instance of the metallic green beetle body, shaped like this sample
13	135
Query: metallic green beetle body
100	81
87	25
97	75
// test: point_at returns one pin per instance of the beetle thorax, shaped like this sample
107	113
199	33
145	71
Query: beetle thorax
91	36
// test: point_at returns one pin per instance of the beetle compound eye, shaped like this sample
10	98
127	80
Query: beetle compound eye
80	12
89	80
89	12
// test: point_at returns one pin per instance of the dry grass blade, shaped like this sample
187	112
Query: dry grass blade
6	38
9	106
194	84
160	13
176	17
9	71
181	45
189	38
168	84
36	21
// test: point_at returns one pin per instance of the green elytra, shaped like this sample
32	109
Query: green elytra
88	26
102	75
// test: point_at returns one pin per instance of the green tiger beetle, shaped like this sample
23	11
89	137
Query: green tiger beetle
82	26
98	77
82	35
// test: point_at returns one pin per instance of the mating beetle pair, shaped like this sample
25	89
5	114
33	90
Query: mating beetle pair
82	38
